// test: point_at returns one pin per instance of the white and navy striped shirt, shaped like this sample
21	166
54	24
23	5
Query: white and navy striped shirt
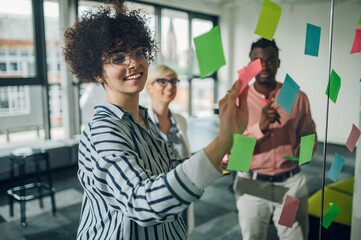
133	189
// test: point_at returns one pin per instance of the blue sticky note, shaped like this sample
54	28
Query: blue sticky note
313	35
336	167
288	94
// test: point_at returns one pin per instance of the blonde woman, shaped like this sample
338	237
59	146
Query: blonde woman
162	89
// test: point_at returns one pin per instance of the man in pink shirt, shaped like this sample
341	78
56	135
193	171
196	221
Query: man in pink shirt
260	193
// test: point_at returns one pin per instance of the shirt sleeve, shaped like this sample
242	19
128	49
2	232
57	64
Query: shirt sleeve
200	170
121	178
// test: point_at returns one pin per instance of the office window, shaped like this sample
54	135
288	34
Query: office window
175	52
13	66
2	66
16	32
53	59
202	89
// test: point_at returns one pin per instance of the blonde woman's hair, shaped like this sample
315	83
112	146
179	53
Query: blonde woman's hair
160	70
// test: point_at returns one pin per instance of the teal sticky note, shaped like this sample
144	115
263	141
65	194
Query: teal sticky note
336	167
288	94
268	19
209	51
306	148
330	215
333	86
242	151
313	34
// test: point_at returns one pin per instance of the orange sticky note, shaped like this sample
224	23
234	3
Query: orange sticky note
353	137
356	47
248	72
289	211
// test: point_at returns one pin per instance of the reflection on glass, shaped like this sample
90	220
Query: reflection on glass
16	39
202	97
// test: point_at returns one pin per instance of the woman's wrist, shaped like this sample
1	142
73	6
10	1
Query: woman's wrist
216	150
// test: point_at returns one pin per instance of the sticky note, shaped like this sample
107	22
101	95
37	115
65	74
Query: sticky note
306	148
242	151
359	22
353	137
356	47
336	167
268	19
313	34
288	94
209	51
330	215
248	72
289	211
333	86
291	158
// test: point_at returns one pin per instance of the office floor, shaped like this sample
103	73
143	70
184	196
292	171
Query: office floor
216	214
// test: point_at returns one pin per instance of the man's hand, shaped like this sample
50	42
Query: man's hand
269	115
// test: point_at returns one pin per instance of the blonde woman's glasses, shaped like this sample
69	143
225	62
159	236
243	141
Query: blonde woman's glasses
163	82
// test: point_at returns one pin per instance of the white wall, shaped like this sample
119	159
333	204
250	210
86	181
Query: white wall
311	73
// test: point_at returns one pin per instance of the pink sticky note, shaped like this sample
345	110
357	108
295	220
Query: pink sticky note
248	72
289	211
356	47
353	137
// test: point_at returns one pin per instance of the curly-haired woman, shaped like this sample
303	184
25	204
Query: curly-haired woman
134	187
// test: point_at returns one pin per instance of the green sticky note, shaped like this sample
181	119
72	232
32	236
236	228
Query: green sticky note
209	51
306	148
242	151
268	19
291	158
333	86
330	215
359	22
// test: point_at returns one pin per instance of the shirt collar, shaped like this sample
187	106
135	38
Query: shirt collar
118	112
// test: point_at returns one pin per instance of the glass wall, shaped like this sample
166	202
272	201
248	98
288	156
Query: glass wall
20	105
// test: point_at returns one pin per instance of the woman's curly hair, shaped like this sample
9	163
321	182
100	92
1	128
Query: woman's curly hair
102	32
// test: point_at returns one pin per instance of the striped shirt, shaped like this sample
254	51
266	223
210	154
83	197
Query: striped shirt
133	186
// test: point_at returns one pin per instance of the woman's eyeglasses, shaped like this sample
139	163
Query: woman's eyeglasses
122	58
163	82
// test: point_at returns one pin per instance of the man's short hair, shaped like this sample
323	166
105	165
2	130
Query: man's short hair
263	43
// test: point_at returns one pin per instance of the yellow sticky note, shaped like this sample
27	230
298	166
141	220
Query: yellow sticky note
268	19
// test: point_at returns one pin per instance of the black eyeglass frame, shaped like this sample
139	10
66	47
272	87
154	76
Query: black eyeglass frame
164	82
